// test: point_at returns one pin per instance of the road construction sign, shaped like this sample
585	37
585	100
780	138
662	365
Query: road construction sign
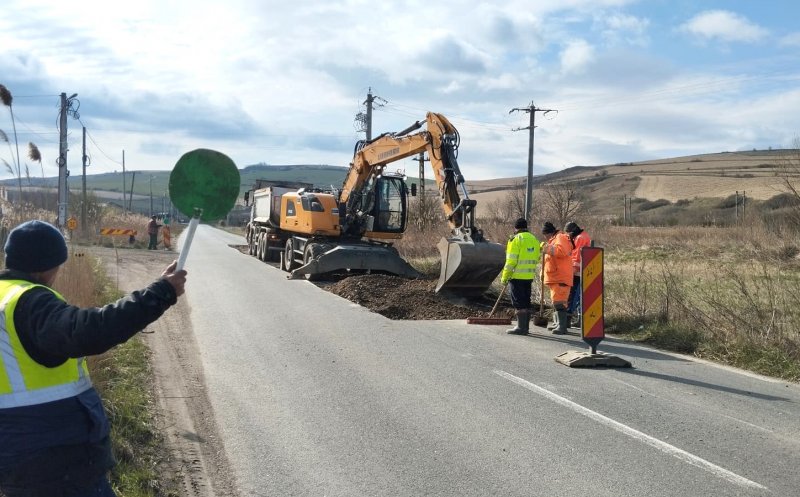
117	231
72	223
592	323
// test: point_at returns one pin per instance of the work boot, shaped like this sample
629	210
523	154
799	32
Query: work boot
521	321
524	320
554	324
563	323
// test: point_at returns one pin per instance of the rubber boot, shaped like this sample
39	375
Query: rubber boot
518	329
554	324
524	320
563	323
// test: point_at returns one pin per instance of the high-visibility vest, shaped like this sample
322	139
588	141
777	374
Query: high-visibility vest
522	256
23	381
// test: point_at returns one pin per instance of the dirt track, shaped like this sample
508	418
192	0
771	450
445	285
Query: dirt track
197	458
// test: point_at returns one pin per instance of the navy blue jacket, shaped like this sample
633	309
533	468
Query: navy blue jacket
57	448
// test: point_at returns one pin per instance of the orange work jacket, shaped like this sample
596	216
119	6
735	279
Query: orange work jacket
558	259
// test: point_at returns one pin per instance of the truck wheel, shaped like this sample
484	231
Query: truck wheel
257	249
288	256
264	248
249	239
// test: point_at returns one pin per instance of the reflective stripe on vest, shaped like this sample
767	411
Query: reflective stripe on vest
23	381
522	257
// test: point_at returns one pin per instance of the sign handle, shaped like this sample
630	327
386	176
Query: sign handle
188	241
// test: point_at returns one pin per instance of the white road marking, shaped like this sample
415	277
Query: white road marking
636	434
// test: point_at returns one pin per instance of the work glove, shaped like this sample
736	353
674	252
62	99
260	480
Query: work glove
542	245
504	281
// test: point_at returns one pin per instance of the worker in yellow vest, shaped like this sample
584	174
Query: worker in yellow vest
54	434
522	256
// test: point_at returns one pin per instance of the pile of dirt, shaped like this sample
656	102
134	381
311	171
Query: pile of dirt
403	299
399	298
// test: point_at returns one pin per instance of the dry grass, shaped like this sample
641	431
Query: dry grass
118	374
727	294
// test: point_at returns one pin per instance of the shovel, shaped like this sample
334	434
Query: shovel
540	319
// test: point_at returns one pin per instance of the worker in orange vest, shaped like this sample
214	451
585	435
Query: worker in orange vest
557	273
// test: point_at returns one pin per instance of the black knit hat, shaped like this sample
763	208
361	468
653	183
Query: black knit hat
35	246
548	228
521	224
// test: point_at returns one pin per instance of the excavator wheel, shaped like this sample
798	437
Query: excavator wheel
311	252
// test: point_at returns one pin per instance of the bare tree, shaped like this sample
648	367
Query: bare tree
425	211
560	202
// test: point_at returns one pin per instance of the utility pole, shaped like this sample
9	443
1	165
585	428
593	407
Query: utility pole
421	160
130	196
124	186
532	110
365	120
151	195
370	99
83	189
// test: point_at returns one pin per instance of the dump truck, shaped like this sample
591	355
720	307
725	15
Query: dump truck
318	233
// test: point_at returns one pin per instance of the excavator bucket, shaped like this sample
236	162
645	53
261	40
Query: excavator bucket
357	257
469	268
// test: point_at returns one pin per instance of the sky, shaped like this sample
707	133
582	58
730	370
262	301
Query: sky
276	82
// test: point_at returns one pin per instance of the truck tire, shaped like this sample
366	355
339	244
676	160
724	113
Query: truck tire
258	246
288	256
249	239
270	255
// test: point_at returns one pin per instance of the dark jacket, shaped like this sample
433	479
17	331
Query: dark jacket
55	448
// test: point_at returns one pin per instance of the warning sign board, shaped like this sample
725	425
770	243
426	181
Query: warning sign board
116	231
592	323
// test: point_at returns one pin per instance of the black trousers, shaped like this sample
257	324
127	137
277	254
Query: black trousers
520	293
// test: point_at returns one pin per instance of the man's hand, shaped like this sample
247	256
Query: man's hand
175	278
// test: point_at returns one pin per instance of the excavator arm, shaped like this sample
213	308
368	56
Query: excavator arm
469	262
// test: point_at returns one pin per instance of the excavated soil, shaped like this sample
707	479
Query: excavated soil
404	299
399	298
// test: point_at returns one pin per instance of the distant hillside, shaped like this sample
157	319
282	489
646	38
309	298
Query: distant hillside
703	184
718	175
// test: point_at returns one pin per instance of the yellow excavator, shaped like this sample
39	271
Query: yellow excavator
353	228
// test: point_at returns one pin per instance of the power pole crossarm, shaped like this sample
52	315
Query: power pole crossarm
532	110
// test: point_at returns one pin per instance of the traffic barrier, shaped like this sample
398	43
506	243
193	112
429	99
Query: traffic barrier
117	231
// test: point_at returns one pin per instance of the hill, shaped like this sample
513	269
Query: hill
701	181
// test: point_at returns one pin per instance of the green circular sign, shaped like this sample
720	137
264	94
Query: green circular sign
207	180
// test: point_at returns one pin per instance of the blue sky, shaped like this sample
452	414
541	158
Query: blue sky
281	82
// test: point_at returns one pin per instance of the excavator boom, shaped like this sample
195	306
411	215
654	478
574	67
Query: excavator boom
469	262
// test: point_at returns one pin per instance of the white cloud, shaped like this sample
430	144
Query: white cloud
576	55
628	28
725	26
791	40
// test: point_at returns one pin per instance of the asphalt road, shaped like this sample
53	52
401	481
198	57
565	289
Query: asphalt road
315	396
